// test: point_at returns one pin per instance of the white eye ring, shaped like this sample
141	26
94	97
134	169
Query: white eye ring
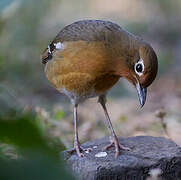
142	64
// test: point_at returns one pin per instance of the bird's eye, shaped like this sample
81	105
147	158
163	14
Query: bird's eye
139	67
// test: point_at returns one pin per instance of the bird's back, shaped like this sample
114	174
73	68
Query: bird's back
93	30
87	30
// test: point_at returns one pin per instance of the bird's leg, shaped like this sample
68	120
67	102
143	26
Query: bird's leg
77	146
114	141
76	138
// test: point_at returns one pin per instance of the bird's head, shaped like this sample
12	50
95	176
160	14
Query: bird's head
141	70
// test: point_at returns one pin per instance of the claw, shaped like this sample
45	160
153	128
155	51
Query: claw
118	147
79	150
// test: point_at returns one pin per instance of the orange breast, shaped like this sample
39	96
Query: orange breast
82	67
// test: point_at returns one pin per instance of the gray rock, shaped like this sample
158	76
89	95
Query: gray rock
146	153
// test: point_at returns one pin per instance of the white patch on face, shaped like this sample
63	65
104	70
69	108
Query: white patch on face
142	64
59	46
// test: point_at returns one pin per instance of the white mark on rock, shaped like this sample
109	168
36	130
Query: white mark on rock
88	150
101	154
59	45
94	147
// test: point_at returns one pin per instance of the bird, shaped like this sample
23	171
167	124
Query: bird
88	57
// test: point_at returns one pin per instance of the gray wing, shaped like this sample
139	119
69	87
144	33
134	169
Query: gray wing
87	30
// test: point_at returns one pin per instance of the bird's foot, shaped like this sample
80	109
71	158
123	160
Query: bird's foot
79	150
118	147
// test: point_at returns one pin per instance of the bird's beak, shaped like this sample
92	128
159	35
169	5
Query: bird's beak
141	94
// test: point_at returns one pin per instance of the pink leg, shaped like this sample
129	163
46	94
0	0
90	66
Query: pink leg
77	147
114	142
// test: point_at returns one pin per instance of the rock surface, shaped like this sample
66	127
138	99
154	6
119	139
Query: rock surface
146	153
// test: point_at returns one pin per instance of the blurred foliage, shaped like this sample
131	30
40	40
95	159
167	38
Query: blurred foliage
21	67
4	3
59	115
137	28
36	159
21	131
165	62
169	7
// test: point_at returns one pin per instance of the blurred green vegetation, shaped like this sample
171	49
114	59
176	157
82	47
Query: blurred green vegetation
31	156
